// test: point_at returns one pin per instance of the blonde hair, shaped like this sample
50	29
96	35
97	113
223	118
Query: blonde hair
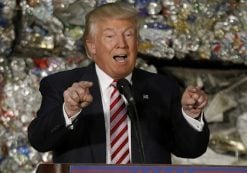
117	10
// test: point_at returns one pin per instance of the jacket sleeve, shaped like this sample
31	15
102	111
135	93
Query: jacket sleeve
47	130
187	141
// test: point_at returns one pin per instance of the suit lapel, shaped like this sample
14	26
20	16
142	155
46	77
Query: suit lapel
95	118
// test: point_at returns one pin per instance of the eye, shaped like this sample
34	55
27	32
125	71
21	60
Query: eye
129	34
109	36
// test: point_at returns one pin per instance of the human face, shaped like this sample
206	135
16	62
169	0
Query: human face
114	46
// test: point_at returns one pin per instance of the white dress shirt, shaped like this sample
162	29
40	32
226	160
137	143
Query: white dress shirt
105	90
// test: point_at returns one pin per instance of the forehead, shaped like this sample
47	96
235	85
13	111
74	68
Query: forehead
116	24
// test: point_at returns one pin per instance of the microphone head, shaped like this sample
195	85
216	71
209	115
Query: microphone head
123	84
124	88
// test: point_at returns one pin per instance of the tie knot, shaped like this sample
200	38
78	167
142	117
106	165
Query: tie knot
114	83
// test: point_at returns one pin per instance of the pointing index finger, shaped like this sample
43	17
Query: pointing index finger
85	84
193	89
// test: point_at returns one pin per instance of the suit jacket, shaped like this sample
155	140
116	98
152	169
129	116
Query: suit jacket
163	127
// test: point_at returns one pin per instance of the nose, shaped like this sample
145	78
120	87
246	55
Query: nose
121	42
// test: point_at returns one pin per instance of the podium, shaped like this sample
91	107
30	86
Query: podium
53	168
100	168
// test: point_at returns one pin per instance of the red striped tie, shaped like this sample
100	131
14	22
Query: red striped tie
119	128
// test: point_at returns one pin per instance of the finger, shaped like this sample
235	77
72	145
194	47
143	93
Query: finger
68	100
202	105
201	102
194	91
201	99
85	84
71	97
81	92
84	104
188	107
192	88
75	95
198	95
195	104
84	95
86	100
189	102
71	102
195	96
190	93
82	89
82	84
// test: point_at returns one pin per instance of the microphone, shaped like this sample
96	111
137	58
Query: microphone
124	88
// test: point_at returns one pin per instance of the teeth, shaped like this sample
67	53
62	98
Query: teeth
120	58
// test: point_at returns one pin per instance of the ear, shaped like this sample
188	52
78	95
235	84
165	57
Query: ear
91	48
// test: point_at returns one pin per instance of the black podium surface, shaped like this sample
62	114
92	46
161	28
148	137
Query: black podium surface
92	168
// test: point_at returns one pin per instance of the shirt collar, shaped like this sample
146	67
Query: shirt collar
105	80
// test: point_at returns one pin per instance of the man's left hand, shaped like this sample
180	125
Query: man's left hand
193	101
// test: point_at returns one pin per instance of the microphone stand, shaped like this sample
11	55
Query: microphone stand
137	128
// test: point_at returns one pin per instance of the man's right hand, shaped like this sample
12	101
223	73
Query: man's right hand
77	97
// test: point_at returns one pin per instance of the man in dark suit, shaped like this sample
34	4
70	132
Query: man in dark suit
74	118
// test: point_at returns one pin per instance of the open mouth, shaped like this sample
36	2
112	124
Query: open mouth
120	58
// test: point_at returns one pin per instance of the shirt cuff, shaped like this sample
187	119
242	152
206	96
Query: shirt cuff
196	124
68	121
